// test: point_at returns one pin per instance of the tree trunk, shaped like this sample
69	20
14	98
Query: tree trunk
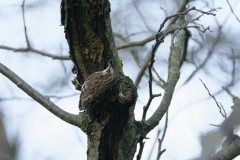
114	134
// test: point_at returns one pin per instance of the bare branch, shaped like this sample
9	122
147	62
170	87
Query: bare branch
159	77
151	95
233	67
62	97
210	52
230	149
24	23
141	146
142	70
235	56
30	49
160	151
211	140
218	126
151	38
232	11
223	113
182	14
44	101
160	35
174	72
232	81
176	50
180	9
134	54
153	146
136	43
143	19
13	98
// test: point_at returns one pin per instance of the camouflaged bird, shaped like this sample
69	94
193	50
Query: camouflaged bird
96	87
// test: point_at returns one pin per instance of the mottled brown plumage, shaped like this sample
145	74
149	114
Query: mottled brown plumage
96	87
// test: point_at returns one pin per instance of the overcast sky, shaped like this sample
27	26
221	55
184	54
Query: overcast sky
44	136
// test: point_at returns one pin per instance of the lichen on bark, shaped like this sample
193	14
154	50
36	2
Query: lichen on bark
89	34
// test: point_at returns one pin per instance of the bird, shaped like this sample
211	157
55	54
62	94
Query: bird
96	87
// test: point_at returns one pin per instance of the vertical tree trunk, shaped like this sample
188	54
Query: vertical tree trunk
113	135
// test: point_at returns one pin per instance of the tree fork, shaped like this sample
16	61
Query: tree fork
88	31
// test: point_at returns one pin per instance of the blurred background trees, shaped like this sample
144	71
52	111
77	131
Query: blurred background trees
33	45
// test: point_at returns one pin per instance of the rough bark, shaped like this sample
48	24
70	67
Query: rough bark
89	35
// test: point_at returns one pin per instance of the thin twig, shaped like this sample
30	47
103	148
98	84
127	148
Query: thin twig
213	139
160	35
29	48
24	23
141	146
143	19
136	58
14	98
151	38
224	112
160	151
218	126
176	48
159	77
233	66
136	43
151	95
166	14
62	97
181	14
233	11
207	58
221	109
154	143
135	33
